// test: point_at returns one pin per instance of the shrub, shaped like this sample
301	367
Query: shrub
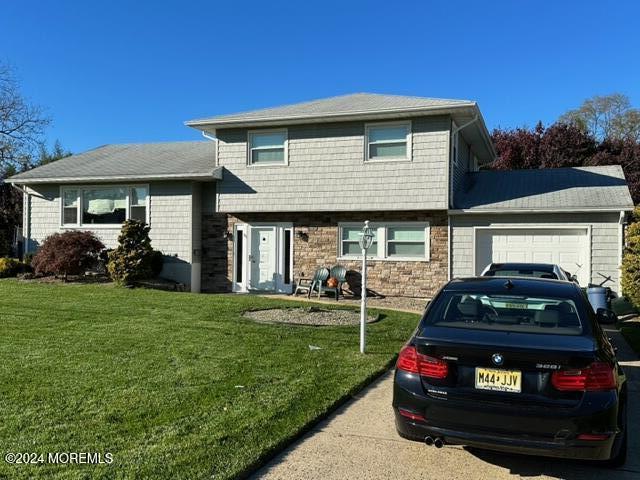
9	267
5	242
68	253
157	260
28	258
631	262
132	259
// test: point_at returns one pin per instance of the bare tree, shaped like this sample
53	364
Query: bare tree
606	117
22	124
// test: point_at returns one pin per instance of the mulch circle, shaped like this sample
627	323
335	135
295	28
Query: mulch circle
308	316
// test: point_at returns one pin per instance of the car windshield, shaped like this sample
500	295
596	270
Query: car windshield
510	272
507	313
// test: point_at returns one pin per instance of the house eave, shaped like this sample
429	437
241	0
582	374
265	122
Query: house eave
199	177
212	124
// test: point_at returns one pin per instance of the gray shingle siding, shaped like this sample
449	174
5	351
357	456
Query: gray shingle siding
326	171
605	238
170	217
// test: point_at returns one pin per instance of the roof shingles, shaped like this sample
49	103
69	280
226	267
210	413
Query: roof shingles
545	189
357	103
171	160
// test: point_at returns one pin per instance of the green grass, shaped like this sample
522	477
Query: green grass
153	378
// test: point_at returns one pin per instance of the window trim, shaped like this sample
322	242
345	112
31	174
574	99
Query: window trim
358	225
91	226
382	235
251	133
409	141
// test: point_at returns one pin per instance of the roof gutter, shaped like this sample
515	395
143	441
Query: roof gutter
216	174
355	115
502	211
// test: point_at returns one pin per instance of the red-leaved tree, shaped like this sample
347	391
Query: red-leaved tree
68	253
565	145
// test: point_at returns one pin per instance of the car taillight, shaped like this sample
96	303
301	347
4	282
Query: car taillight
411	361
593	437
408	360
597	376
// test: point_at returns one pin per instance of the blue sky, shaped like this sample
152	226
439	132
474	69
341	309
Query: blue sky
115	71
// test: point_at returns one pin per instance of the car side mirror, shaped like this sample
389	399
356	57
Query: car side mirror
606	316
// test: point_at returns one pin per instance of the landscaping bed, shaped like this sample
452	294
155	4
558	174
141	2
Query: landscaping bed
314	316
173	385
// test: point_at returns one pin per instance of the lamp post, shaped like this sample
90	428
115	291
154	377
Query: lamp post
366	240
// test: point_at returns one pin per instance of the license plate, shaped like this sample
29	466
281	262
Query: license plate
499	380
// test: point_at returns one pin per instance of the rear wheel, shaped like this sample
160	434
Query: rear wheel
619	449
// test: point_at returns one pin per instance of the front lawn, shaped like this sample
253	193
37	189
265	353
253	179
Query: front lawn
174	385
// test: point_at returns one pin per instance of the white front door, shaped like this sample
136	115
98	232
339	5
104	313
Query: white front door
263	258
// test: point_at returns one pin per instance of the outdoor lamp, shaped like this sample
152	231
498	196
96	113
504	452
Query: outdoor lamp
366	237
366	240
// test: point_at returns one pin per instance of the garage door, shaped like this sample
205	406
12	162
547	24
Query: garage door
568	248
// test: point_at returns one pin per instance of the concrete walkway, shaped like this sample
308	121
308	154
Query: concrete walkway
360	441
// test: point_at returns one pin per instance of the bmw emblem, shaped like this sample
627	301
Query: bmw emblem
497	359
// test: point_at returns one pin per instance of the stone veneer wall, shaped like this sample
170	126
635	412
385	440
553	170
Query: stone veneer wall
217	251
320	247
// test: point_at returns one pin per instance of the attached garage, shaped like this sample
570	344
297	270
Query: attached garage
568	247
573	217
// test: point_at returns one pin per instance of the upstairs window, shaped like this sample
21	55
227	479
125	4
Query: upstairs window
390	141
268	147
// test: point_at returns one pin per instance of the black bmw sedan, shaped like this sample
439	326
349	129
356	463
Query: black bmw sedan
513	364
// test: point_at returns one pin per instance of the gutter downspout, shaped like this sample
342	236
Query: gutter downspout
197	254
621	223
26	217
207	136
454	133
454	141
465	125
20	189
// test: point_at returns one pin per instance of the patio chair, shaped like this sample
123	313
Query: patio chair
339	273
307	285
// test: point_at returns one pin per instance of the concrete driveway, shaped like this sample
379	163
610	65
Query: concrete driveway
360	441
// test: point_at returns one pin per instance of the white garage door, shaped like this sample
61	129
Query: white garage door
568	248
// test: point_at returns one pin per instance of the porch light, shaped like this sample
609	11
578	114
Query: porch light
366	240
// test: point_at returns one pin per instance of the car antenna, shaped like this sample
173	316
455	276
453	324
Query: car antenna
508	284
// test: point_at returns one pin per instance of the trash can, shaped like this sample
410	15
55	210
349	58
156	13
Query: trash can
597	297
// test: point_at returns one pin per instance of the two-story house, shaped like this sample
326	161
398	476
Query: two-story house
273	194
